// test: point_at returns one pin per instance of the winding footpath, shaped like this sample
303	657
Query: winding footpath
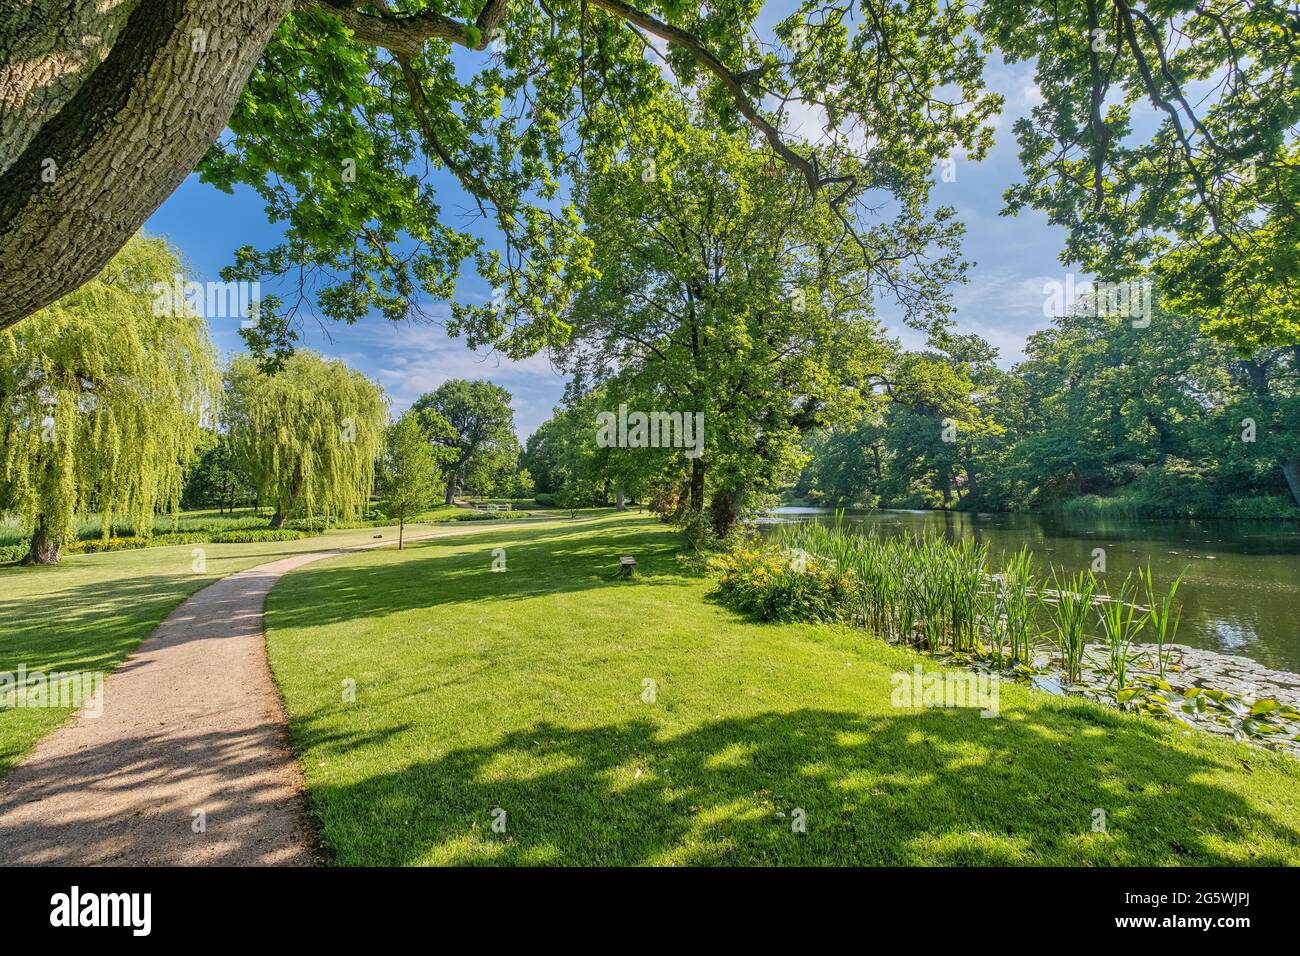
189	761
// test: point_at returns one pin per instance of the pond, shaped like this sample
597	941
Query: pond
1241	579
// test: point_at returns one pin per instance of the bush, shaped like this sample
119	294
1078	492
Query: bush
773	585
178	537
697	528
1259	508
475	516
101	545
256	534
13	552
545	500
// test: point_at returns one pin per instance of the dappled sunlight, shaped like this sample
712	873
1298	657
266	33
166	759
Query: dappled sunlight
537	705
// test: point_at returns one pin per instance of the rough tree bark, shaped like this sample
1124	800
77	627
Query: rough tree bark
104	110
46	547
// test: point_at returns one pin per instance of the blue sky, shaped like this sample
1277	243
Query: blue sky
1003	301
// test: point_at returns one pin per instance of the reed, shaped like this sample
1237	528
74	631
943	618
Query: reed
1018	605
944	595
1162	615
926	591
1070	606
1121	623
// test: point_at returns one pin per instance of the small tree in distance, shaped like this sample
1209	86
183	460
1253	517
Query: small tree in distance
410	477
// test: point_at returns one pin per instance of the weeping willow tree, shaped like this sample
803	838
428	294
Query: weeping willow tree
102	397
307	436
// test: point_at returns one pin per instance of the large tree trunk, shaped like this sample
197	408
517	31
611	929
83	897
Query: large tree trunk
104	110
279	518
451	492
697	485
619	502
724	509
1292	471
46	547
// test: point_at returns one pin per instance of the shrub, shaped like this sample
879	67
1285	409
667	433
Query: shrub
545	500
775	585
101	545
475	516
1260	508
13	552
256	534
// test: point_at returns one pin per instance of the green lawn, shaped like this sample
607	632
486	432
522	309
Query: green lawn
523	691
91	610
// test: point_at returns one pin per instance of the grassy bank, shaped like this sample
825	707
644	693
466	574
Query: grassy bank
529	692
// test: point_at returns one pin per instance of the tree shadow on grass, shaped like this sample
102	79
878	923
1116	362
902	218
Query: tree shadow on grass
920	787
426	575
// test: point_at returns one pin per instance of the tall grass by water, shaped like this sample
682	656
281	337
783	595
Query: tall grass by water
943	595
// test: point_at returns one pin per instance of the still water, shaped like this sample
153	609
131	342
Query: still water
1241	579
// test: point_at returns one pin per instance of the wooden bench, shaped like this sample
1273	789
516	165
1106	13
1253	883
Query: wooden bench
626	565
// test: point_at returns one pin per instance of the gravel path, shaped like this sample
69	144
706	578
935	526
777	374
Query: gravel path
189	761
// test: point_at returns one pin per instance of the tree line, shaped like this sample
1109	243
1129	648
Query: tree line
112	406
723	293
1102	416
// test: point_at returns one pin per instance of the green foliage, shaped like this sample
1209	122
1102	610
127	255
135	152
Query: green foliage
1208	197
471	427
12	552
1069	603
339	129
215	479
774	586
307	436
1102	417
247	536
171	538
102	399
930	592
725	293
567	467
408	480
1121	622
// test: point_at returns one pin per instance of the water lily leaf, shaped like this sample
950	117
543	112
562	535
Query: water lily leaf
1265	705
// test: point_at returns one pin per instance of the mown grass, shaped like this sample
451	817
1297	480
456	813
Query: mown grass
91	610
524	691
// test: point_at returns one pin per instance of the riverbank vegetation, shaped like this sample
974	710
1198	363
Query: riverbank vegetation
1105	416
1023	623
